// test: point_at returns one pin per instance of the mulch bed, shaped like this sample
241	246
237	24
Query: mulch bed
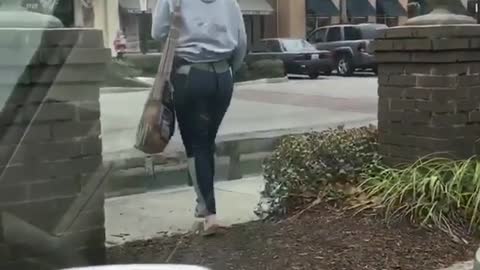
324	238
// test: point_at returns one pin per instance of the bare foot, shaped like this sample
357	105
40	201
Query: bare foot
213	230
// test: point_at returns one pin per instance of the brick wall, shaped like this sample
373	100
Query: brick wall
429	92
50	79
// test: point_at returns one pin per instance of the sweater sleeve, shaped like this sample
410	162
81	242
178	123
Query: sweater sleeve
241	50
161	20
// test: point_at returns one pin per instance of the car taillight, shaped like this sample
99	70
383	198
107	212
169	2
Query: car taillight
324	55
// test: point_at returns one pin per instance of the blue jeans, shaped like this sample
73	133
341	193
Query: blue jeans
202	96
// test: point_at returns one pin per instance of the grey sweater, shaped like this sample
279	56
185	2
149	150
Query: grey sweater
212	30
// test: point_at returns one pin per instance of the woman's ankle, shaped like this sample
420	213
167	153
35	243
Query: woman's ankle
210	220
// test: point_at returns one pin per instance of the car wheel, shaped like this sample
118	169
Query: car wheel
313	75
344	65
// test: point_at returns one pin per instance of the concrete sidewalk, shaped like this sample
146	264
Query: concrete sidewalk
155	214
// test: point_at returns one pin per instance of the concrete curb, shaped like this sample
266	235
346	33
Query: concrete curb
147	87
460	266
140	179
114	90
263	81
137	174
476	263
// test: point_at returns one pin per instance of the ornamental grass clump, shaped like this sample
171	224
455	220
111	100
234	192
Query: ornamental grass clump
304	168
436	192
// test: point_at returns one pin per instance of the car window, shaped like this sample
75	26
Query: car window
334	34
352	33
296	45
261	46
318	36
273	46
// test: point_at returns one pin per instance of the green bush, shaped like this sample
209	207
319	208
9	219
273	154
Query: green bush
146	63
261	69
253	68
432	192
315	165
118	71
268	68
243	74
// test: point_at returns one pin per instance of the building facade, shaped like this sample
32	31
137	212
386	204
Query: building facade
325	12
263	18
100	14
136	21
296	18
317	13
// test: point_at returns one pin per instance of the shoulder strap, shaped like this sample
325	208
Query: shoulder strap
166	62
178	4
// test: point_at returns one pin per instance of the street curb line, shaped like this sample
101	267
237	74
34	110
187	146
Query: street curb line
147	87
113	90
264	81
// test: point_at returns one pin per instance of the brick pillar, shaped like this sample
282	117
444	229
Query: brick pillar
62	147
429	91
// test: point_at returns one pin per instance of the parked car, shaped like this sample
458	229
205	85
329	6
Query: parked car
299	56
350	44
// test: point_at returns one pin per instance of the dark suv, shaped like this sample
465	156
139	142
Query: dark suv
350	44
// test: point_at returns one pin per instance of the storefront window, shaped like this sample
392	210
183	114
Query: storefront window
389	21
62	9
316	22
357	20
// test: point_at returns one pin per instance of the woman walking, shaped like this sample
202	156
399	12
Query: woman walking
211	47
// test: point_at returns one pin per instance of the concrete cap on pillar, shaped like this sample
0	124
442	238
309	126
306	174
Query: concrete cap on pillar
441	14
476	263
13	15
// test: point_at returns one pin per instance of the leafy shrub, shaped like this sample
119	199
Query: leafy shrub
243	74
268	68
313	165
118	71
147	64
261	69
432	192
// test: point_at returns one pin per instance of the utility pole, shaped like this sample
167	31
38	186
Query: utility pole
343	11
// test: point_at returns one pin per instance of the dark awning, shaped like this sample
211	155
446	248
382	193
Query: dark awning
255	7
133	6
390	8
360	8
322	8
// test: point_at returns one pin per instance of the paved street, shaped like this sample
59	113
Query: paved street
259	107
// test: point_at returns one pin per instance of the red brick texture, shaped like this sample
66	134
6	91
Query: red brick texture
50	141
429	92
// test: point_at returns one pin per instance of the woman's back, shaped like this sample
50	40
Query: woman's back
212	30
